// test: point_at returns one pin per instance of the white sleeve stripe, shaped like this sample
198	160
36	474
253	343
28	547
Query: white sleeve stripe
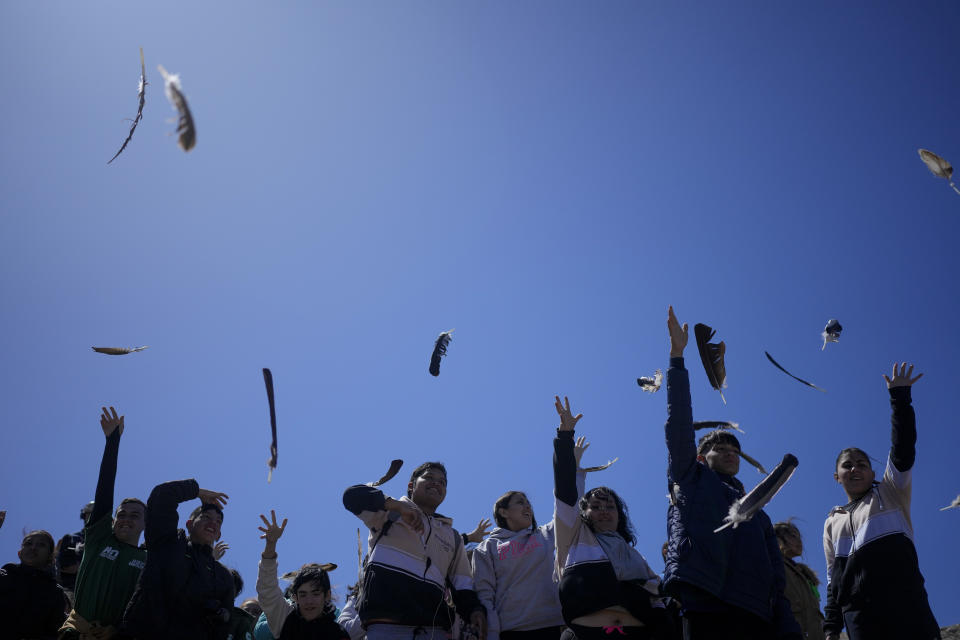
566	513
581	553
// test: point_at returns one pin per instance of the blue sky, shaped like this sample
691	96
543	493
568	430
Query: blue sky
544	177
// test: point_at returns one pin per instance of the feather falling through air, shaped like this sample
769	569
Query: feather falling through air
952	505
651	385
831	332
753	462
272	462
439	350
723	425
118	351
142	96
747	506
388	476
711	354
185	127
777	365
601	467
938	166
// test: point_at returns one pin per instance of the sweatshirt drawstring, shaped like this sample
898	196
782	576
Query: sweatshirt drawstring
609	630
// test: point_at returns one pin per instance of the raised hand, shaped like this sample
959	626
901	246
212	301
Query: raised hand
678	334
902	379
409	513
109	423
213	497
578	448
568	421
272	531
219	549
477	534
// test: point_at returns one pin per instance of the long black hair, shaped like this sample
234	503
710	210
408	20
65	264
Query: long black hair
624	528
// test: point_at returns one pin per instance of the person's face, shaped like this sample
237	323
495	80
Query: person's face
791	544
602	512
35	551
518	513
429	489
128	523
252	606
311	599
723	458
854	474
205	529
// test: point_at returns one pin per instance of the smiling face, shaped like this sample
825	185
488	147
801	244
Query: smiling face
205	527
601	512
128	523
724	458
36	551
429	489
518	514
854	473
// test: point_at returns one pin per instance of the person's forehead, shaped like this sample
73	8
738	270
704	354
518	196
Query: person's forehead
433	474
130	508
210	514
36	539
307	587
725	446
854	456
601	497
518	498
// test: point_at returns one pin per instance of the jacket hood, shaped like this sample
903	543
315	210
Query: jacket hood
507	534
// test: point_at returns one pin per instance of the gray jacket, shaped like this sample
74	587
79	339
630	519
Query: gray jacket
513	576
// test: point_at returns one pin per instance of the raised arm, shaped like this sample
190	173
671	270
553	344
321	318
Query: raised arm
112	426
269	594
373	507
162	517
564	459
903	421
681	441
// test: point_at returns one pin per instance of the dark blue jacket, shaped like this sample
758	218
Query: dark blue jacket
740	568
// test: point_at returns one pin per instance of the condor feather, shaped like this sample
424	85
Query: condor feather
290	575
391	472
831	332
753	462
777	365
600	467
185	127
712	357
938	166
651	385
747	506
439	350
717	424
272	462
118	351
142	96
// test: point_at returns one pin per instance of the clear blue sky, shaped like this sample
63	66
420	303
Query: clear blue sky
544	177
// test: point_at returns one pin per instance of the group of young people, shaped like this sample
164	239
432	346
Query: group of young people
579	576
